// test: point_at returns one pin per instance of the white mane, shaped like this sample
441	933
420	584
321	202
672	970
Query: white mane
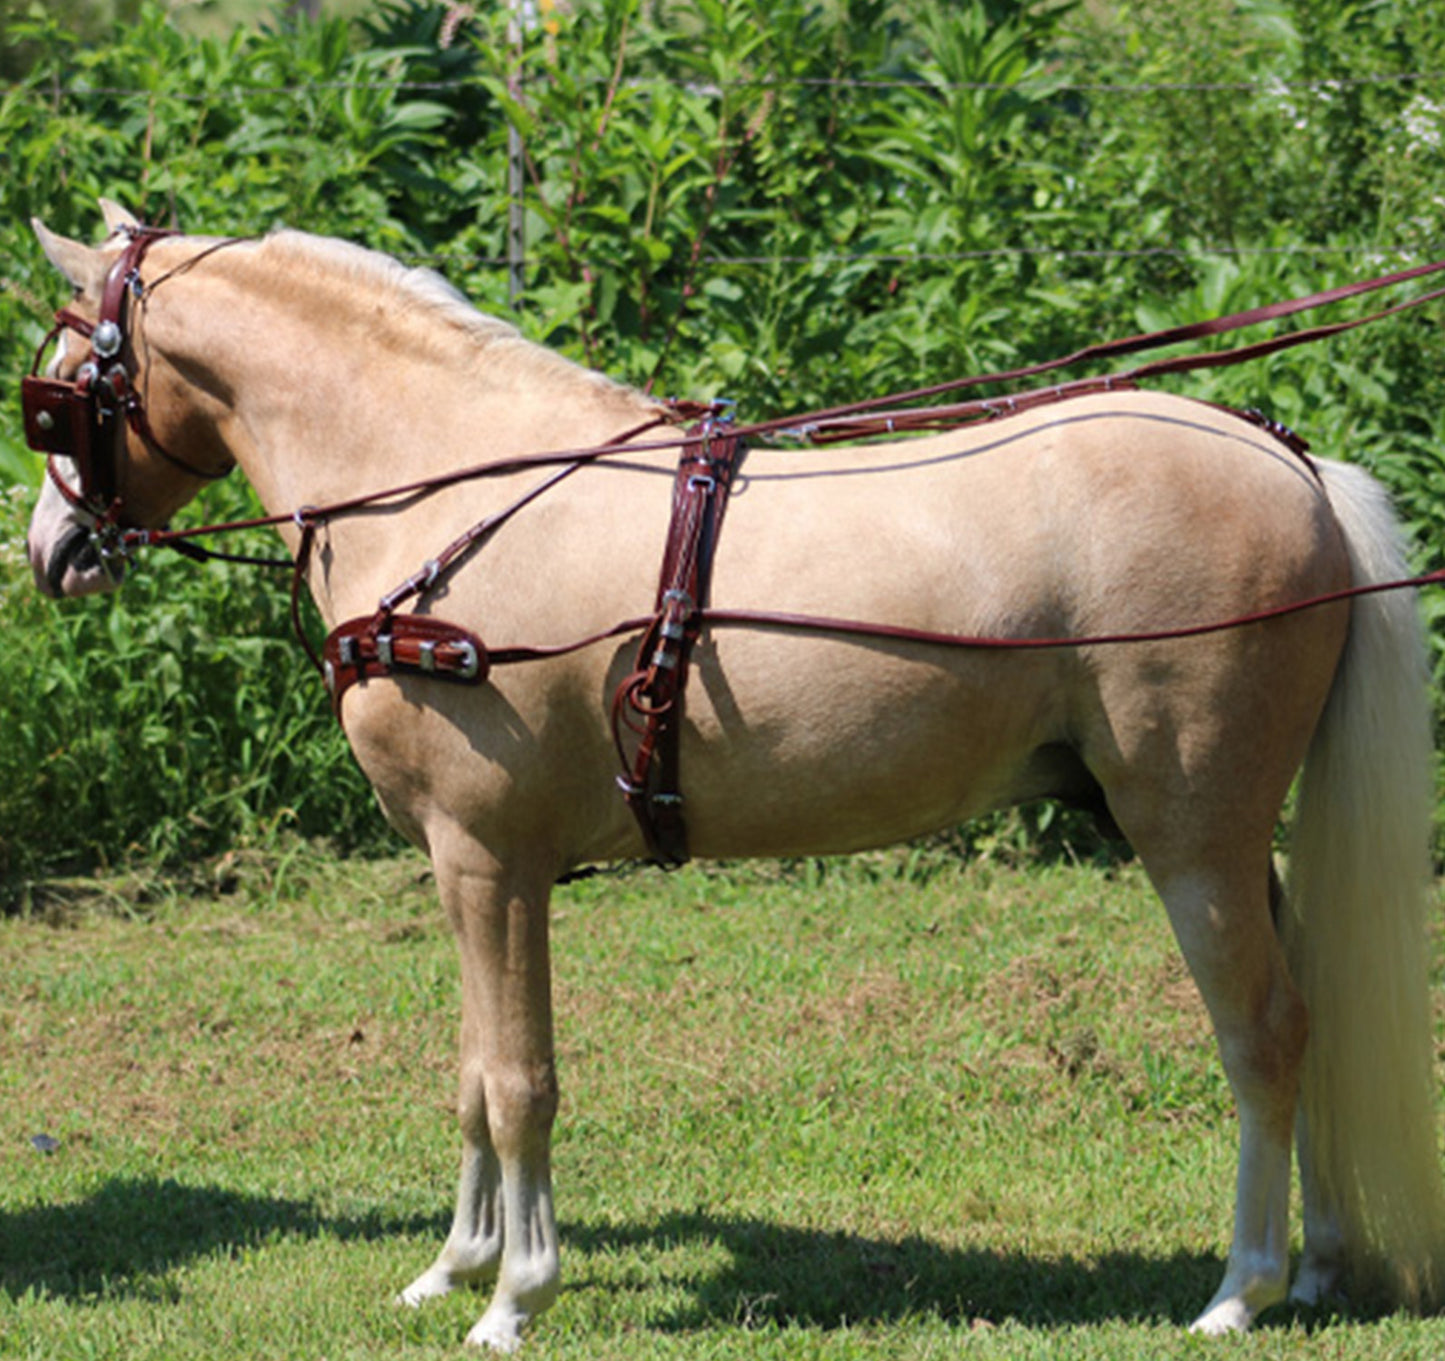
424	293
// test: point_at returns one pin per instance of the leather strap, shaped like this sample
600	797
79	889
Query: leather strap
390	644
647	709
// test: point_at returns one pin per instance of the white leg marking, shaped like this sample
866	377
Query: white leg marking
1322	1265
1258	1270
529	1277
473	1248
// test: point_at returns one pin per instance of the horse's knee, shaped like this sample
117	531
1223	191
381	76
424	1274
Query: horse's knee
521	1104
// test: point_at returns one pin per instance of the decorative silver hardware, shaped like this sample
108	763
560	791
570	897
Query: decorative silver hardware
44	420
383	650
107	339
329	675
427	655
346	649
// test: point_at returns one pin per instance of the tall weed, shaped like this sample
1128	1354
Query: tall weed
790	204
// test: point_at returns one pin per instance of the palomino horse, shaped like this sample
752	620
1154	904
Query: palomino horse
323	370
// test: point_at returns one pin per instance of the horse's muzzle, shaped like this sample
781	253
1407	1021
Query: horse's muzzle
64	556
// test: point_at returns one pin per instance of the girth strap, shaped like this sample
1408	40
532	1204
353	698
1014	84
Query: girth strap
647	709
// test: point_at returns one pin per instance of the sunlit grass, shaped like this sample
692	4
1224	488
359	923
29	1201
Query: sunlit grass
809	1111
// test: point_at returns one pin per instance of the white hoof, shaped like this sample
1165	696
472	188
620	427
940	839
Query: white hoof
498	1330
1219	1320
434	1281
1317	1281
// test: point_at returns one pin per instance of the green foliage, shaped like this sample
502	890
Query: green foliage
791	203
175	717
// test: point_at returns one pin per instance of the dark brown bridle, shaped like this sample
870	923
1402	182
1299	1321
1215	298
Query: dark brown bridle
82	418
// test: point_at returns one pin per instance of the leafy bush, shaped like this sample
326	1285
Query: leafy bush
788	203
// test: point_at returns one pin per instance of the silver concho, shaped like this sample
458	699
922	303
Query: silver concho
107	339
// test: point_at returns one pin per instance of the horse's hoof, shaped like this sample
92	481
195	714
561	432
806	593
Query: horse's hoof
428	1286
498	1331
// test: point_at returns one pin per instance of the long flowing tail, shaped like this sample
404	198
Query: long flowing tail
1355	928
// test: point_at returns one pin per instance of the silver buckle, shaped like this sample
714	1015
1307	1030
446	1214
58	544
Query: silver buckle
471	664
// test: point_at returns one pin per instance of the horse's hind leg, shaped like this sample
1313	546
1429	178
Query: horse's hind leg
1322	1264
1218	905
503	1227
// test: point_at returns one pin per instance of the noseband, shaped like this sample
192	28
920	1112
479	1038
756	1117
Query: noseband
80	419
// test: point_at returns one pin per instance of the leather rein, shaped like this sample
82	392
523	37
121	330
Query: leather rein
81	418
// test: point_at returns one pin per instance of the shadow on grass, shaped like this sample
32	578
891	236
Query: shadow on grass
124	1239
119	1240
782	1276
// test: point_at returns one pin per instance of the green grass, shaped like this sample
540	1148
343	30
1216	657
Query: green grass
888	1109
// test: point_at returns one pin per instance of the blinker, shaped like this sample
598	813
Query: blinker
57	416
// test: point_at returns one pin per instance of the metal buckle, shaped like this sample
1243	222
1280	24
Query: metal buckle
471	664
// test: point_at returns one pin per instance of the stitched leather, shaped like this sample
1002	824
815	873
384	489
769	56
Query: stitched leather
387	645
647	709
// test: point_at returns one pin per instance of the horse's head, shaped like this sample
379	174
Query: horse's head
127	444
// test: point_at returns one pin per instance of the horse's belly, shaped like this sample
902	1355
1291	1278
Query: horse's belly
815	745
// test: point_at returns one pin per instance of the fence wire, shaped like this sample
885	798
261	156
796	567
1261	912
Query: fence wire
1044	85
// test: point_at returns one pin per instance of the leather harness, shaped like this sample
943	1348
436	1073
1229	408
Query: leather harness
647	708
74	418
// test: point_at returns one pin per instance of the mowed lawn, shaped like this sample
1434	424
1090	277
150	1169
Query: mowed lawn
877	1108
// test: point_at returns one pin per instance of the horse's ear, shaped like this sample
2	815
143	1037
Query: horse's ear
84	266
117	219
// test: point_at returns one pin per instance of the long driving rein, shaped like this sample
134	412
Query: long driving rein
83	419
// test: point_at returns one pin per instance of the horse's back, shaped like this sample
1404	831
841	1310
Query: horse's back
1117	513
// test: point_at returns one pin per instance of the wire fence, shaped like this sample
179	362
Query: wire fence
1374	254
1041	85
1038	85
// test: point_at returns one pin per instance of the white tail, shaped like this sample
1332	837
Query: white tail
1355	928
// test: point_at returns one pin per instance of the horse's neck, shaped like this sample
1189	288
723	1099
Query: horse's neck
335	392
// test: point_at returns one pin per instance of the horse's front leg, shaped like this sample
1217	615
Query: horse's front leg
503	1227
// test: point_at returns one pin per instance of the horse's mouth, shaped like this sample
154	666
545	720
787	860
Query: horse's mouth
75	566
